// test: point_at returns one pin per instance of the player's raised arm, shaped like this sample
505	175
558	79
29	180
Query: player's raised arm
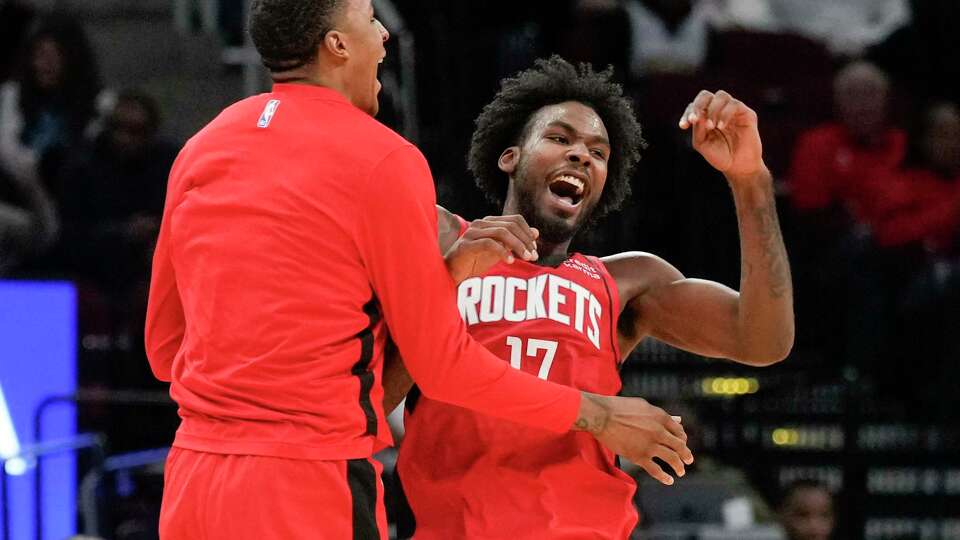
756	325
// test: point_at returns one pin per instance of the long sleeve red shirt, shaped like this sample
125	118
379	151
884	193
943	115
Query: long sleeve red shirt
295	227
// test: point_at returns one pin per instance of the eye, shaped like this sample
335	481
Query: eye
558	138
599	154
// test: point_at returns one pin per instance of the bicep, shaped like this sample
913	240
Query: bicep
695	315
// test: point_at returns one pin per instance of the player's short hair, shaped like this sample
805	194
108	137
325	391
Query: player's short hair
505	122
287	33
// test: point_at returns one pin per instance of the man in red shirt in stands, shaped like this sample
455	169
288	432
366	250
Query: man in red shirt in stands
832	163
556	148
296	229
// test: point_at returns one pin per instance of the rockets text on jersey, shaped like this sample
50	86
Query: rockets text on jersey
495	298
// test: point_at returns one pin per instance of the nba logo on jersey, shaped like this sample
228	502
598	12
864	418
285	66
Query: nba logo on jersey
268	112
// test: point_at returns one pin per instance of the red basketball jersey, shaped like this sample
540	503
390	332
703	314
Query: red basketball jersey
468	475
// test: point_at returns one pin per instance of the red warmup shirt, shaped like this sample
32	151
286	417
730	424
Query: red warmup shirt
295	227
828	167
467	475
918	206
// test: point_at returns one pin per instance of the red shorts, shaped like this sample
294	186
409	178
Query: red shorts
222	496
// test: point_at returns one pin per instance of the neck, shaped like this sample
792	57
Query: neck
551	253
315	74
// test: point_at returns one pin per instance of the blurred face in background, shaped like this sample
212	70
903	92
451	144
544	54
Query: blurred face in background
860	97
807	514
47	64
130	129
941	139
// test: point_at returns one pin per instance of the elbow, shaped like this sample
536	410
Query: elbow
772	352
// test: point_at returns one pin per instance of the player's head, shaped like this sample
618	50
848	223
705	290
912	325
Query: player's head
550	129
806	511
338	42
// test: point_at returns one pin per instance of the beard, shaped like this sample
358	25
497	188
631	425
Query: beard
553	229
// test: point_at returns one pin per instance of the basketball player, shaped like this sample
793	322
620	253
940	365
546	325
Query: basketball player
555	146
295	227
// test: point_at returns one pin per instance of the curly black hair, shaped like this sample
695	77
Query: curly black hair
287	33
505	122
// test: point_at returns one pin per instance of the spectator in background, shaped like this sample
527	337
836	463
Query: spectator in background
114	187
114	191
921	203
846	27
916	233
51	104
833	182
806	511
828	160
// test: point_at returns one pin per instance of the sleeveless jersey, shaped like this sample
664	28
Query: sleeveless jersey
468	475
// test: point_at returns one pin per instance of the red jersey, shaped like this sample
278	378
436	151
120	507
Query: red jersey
468	475
295	227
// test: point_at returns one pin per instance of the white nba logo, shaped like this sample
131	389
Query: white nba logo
268	112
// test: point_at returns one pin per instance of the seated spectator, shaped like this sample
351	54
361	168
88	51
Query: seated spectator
51	104
114	187
829	160
830	200
916	230
806	511
921	202
846	27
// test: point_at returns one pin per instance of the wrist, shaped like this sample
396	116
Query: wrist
457	273
758	177
752	187
593	415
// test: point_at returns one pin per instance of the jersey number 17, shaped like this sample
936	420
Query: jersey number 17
533	348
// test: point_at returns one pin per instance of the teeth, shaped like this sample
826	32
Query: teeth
573	181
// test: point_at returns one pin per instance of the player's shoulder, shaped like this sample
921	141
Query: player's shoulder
639	270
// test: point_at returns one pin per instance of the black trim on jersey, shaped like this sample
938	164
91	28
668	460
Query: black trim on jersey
413	396
362	368
613	316
402	513
362	479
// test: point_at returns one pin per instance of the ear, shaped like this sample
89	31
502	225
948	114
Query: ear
509	159
335	44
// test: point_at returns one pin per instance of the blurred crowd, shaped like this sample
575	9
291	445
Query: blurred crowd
858	106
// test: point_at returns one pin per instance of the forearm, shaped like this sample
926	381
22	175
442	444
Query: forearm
765	313
396	380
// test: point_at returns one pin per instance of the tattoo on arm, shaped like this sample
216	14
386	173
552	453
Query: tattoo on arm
774	254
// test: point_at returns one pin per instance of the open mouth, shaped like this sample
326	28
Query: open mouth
569	189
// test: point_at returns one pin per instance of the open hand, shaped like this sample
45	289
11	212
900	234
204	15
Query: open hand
638	431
